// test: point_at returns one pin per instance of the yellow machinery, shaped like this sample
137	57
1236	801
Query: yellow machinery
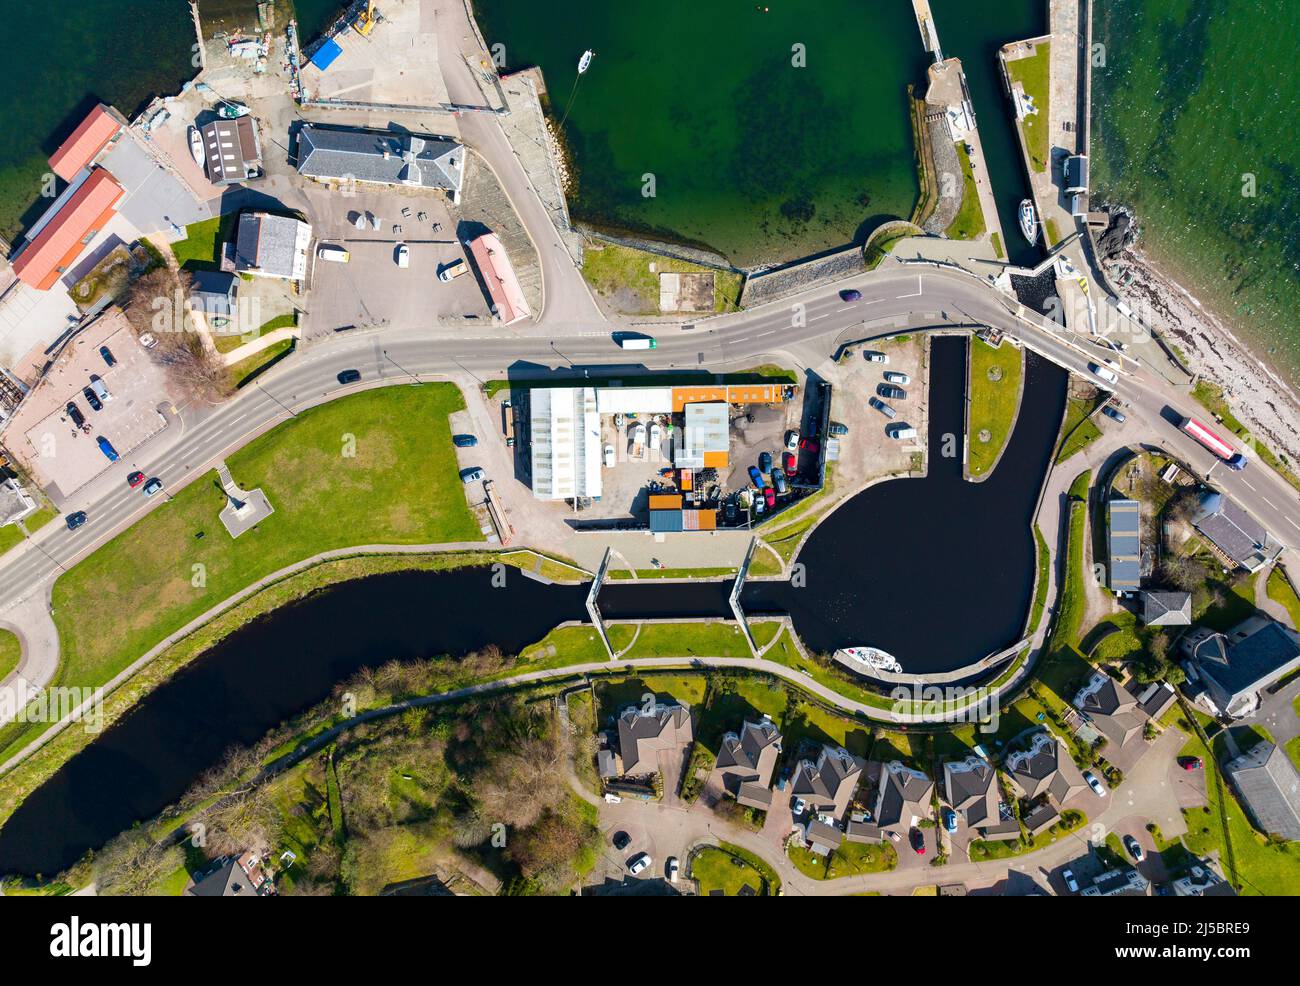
366	20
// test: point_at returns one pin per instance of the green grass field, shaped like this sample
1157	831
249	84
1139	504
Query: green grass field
995	380
399	485
1033	74
10	653
720	870
622	276
969	221
1076	432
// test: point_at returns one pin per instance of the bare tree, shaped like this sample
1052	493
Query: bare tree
156	305
1183	572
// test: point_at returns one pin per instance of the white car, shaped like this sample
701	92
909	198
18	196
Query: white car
656	436
147	340
609	456
1070	882
893	376
639	863
792	441
671	869
403	255
871	356
799	807
1094	783
1102	373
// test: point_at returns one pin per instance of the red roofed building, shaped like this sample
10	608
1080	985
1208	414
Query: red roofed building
508	302
65	234
91	136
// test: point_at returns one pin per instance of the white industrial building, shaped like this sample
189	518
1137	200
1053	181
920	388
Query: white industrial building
634	400
565	426
706	437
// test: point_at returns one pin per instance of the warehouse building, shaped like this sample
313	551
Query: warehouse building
565	427
379	157
1123	518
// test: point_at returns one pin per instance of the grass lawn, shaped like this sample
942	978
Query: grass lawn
689	640
1279	590
1040	588
1033	74
400	486
10	652
247	369
969	221
995	380
850	859
723	869
39	519
1079	430
576	645
622	276
997	246
201	248
616	694
11	535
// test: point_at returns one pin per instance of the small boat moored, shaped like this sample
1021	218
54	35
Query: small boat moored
196	146
584	62
232	110
1029	221
869	659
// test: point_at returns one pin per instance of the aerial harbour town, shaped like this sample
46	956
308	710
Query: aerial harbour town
491	448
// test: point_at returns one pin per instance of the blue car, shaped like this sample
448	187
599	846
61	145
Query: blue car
75	520
464	441
850	294
950	820
765	462
106	447
756	477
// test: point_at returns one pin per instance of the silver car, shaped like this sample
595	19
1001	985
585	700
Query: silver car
882	407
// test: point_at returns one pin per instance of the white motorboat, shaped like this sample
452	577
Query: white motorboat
871	658
1029	221
584	62
196	146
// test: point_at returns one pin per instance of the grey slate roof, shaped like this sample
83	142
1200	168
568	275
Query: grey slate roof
213	291
746	761
1111	708
233	151
381	157
818	833
1245	659
902	793
1045	767
642	733
1167	609
971	786
267	244
227	879
828	784
1233	531
1270	787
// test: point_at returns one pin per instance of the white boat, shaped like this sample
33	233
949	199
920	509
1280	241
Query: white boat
1028	221
871	658
196	146
584	62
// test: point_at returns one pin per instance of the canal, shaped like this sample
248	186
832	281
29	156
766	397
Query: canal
935	570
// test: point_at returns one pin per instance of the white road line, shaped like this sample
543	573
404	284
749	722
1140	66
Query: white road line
816	317
1293	523
918	290
1248	486
1271	504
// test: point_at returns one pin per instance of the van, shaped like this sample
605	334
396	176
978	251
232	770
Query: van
452	271
335	254
97	385
900	432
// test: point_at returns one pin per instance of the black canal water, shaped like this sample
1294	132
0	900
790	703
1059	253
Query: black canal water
937	571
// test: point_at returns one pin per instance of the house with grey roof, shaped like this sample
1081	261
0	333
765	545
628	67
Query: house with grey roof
1124	525
1270	788
971	788
645	732
213	292
1043	767
1203	879
745	763
1167	609
1234	667
232	150
1126	882
903	796
828	783
1110	707
232	876
1235	535
821	835
268	245
381	157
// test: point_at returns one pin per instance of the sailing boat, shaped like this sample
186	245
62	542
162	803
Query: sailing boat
584	62
1028	221
196	146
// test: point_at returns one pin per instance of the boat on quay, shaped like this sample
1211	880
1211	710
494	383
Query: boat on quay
196	146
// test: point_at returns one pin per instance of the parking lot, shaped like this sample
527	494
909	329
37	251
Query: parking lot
64	457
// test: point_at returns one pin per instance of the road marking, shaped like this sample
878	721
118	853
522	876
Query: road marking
1271	504
1293	523
918	290
816	317
1248	486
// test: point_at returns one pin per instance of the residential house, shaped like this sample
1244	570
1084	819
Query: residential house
378	157
1203	880
903	797
1167	609
643	733
232	876
826	786
1270	789
1236	666
1043	769
1119	883
1124	522
1110	707
213	292
505	294
746	761
267	245
1235	535
971	788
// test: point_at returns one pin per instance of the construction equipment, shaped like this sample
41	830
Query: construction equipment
366	20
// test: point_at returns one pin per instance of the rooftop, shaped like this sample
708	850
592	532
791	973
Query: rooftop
93	133
382	157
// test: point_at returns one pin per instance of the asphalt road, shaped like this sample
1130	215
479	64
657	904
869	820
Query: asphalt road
908	297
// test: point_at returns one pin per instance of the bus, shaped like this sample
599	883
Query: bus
1234	459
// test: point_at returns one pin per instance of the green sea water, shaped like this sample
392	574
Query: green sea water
750	155
1196	108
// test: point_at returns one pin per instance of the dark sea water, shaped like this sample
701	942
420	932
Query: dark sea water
1195	109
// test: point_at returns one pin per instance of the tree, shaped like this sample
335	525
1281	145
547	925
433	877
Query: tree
1183	572
156	305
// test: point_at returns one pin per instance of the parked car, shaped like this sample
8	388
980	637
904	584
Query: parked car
882	407
106	447
639	863
403	255
836	429
74	413
1095	784
791	440
765	462
153	486
890	392
809	445
799	807
91	399
1111	411
1190	763
893	376
756	477
769	496
790	462
1102	373
729	511
472	475
135	479
75	520
622	840
335	254
1134	849
609	457
349	376
671	870
850	294
874	356
452	271
464	441
778	481
900	432
107	354
917	838
949	820
1070	882
97	385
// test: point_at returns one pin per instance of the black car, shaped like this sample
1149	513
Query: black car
778	482
882	407
349	376
835	428
91	399
464	441
890	392
729	511
622	840
765	462
75	414
109	358
76	520
1111	411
